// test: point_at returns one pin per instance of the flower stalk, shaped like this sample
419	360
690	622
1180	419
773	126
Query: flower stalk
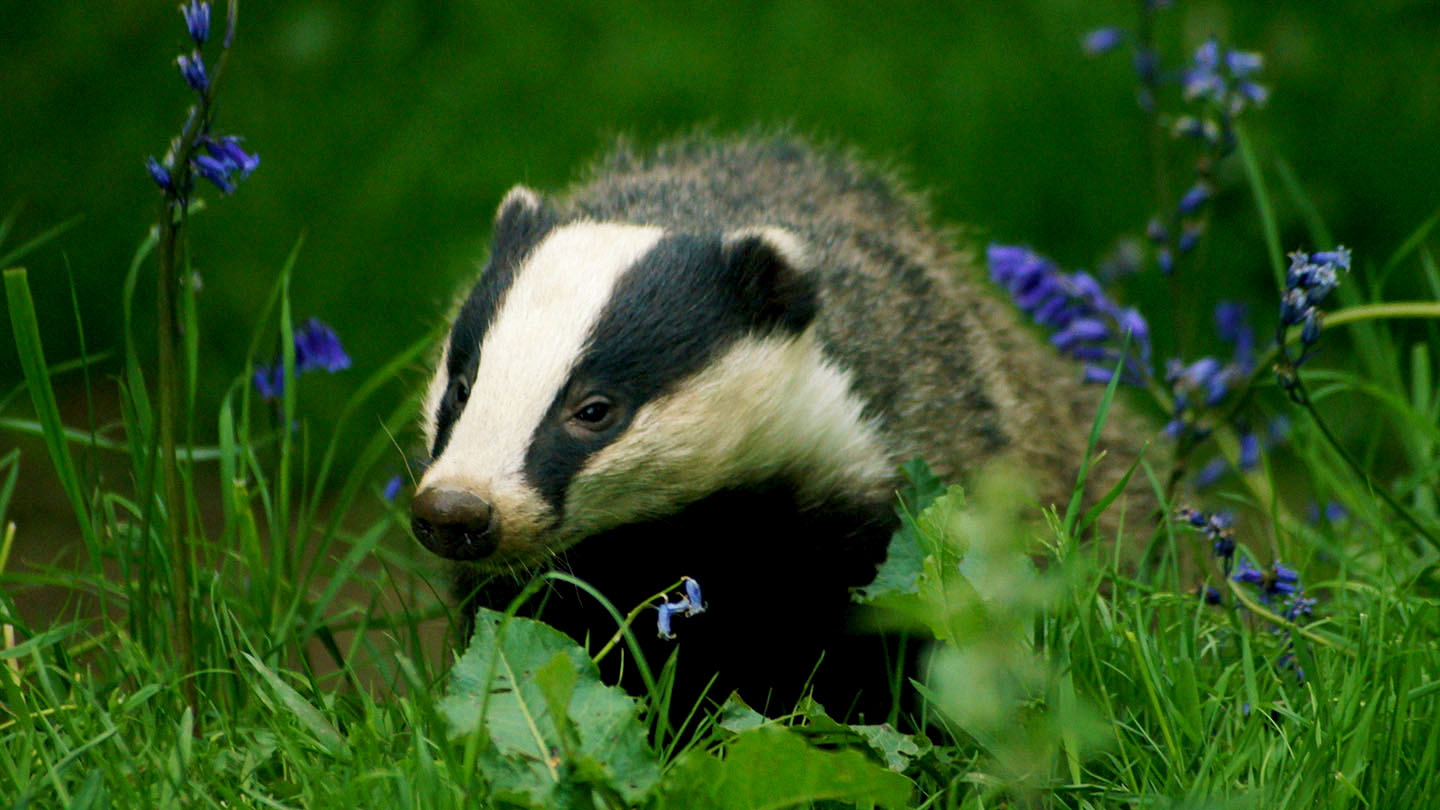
175	177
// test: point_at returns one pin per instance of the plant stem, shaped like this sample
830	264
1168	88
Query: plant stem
174	538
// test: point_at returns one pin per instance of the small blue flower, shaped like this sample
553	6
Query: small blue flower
216	171
159	174
227	150
192	68
1195	197
1211	473
316	347
197	20
1249	451
392	488
662	620
1211	595
1246	572
270	382
692	596
1243	63
1102	40
1190	234
1156	232
1086	322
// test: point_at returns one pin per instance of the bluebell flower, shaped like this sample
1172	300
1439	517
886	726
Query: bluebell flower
1156	232
1211	595
223	162
692	596
1247	573
1190	233
226	149
1102	40
192	68
1085	322
215	171
1309	280
392	488
1193	198
662	620
159	174
316	347
1211	473
1249	451
1218	526
197	20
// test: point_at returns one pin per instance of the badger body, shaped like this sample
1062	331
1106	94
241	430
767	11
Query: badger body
710	360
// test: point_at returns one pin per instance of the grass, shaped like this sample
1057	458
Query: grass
319	682
284	651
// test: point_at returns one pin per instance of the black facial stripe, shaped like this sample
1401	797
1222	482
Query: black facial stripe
670	314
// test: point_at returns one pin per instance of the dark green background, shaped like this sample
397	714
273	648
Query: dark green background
388	132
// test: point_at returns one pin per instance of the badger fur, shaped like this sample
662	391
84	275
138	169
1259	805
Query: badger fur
710	360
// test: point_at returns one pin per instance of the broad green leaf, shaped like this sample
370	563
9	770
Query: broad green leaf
904	560
768	768
514	678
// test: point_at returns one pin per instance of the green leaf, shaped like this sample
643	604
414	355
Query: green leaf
905	559
737	716
524	680
773	768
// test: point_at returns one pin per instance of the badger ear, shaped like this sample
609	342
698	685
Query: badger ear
523	217
770	267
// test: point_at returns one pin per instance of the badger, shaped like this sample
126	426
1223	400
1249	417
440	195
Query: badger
710	359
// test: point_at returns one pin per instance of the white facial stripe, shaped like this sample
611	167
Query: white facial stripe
538	333
765	407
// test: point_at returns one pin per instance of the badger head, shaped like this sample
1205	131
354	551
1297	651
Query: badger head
603	374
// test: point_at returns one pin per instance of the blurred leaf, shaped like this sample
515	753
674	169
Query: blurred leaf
518	677
904	561
774	768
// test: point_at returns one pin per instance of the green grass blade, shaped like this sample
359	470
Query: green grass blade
26	327
1263	205
39	241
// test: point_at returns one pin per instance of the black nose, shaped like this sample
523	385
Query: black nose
454	523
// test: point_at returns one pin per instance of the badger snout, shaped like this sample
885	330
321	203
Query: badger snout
454	523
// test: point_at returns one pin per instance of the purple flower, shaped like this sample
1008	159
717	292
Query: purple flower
1193	198
215	171
1243	63
270	382
1309	279
316	347
1211	595
226	149
1086	322
192	68
1102	40
662	621
159	174
1249	451
392	488
197	20
692	596
1212	472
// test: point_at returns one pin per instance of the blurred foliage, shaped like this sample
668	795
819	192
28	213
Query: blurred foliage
389	131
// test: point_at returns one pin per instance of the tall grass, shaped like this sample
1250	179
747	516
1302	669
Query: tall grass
282	649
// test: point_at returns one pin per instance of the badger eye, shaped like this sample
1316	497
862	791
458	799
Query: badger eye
459	390
595	414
